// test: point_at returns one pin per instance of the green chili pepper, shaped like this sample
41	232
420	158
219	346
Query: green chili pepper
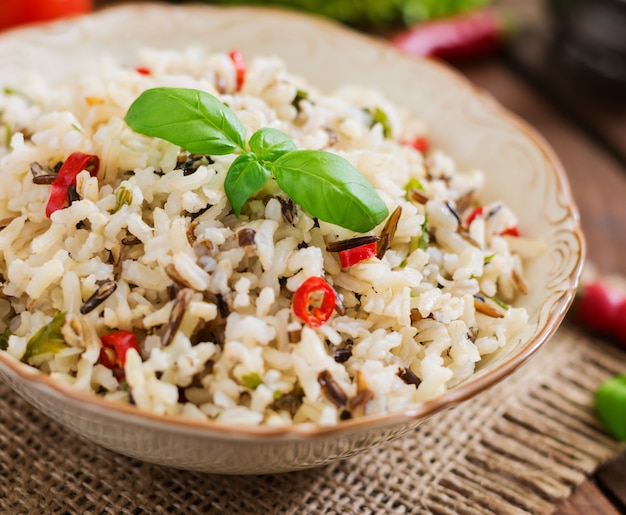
610	405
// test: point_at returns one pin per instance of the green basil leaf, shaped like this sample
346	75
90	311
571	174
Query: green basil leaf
269	144
329	188
47	340
192	119
245	177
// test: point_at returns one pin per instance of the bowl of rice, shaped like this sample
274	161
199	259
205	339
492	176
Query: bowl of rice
245	240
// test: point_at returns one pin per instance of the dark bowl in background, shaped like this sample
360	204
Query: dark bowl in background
590	36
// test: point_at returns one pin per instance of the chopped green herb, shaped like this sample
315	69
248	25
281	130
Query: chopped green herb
413	184
300	96
489	258
424	239
252	380
8	135
379	116
47	340
123	197
11	91
77	128
277	395
4	339
500	303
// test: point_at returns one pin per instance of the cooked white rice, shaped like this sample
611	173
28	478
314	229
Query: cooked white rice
241	355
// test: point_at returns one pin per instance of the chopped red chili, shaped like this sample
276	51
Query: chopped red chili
72	166
511	231
352	256
479	211
420	143
240	67
314	301
115	345
476	212
143	70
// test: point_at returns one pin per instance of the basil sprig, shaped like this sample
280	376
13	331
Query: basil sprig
325	185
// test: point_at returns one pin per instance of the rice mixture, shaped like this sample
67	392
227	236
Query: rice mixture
145	288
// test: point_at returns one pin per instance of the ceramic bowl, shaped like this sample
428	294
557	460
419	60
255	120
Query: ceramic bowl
468	124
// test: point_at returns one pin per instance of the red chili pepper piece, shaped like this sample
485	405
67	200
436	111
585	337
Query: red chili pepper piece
314	301
479	211
511	231
73	165
143	70
352	256
240	67
115	345
457	38
421	143
476	212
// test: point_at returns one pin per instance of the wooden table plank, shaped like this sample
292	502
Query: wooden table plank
611	478
587	500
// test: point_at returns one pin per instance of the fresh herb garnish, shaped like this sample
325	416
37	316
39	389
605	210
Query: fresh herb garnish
48	339
4	339
424	239
325	185
503	305
192	119
123	197
380	116
413	184
251	381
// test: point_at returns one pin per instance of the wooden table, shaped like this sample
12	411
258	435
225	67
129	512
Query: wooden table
587	130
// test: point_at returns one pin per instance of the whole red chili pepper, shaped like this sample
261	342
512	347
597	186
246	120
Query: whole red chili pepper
240	67
466	36
314	301
115	345
71	167
352	256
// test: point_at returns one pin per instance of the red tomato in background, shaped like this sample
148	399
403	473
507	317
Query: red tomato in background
21	12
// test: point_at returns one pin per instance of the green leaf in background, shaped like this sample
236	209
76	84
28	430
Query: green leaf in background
269	144
610	404
329	188
373	13
47	340
189	118
245	177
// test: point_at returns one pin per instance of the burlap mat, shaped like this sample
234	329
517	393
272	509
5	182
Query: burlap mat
519	448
